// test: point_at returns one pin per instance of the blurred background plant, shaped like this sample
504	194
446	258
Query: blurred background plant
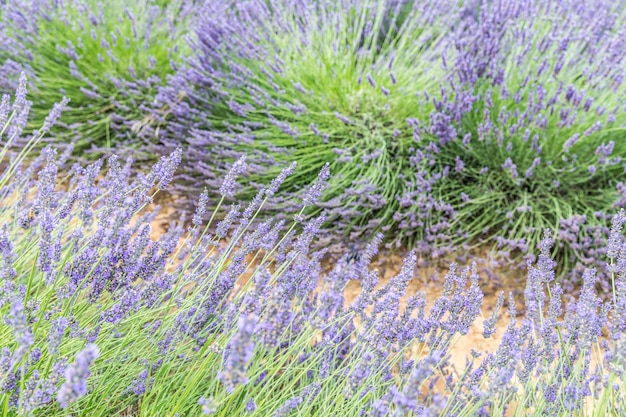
450	126
107	57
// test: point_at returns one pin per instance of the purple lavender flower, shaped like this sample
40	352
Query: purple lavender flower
20	109
615	237
250	406
314	192
459	164
228	186
53	116
343	118
141	384
289	405
360	372
222	228
5	108
56	333
238	353
22	331
128	303
76	375
370	80
200	209
276	182
7	255
489	325
163	171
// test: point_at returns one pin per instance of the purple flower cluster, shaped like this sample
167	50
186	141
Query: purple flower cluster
85	241
238	354
236	102
386	352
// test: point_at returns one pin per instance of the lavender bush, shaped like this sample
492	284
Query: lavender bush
536	123
343	83
99	318
107	57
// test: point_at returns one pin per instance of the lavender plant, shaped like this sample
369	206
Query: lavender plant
99	318
107	57
536	120
343	83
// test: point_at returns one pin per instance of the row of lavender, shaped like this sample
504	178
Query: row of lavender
100	319
445	124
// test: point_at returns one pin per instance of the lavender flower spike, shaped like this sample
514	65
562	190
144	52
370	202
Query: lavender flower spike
228	186
53	116
276	182
4	110
75	385
163	171
315	191
238	354
615	236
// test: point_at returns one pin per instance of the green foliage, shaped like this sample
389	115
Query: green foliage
108	58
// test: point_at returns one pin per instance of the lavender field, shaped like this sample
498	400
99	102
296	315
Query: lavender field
312	208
